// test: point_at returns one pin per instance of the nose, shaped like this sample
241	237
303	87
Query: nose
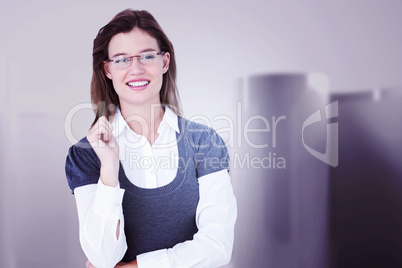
136	67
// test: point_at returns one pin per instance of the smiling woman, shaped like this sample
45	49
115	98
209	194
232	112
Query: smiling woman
146	214
115	33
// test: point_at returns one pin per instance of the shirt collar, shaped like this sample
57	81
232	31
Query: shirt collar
118	123
169	118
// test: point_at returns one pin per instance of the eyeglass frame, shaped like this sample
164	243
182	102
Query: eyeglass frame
138	56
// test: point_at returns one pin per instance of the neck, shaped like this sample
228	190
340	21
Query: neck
144	120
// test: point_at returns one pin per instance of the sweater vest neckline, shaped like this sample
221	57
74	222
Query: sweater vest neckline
183	158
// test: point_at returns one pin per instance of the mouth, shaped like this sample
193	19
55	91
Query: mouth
138	83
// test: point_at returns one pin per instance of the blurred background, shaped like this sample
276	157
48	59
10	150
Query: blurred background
236	60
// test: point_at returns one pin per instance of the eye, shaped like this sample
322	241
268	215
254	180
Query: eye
121	60
149	56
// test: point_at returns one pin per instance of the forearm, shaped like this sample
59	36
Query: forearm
109	177
101	224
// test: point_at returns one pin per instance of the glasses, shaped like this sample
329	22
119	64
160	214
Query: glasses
123	61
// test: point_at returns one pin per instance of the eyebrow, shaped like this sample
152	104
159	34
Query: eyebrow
142	51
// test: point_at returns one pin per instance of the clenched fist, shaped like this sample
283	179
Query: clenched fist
106	148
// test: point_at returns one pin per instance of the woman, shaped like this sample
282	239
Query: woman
152	188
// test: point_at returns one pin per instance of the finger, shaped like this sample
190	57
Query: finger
102	122
108	125
105	121
95	128
103	131
104	134
100	133
90	265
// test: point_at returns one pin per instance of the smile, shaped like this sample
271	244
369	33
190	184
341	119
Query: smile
138	83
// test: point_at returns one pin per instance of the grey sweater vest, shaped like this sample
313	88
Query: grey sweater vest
165	216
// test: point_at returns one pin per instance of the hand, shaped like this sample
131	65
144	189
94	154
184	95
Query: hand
103	142
89	265
106	148
132	264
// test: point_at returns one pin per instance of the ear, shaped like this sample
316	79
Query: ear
166	61
106	69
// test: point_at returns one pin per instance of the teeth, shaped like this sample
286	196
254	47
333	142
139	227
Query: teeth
138	83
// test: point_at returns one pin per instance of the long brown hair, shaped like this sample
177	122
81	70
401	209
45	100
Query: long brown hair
103	95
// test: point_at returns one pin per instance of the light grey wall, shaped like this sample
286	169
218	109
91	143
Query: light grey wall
45	69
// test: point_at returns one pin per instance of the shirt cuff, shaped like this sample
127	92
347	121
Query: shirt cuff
108	200
158	258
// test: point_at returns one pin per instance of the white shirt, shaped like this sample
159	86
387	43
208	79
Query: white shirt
100	206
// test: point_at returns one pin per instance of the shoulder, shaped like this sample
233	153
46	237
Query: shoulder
82	164
186	125
83	151
210	150
199	134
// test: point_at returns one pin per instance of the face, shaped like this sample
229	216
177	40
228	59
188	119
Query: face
139	83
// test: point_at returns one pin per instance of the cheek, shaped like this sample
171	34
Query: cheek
160	71
115	86
117	80
156	72
118	87
160	77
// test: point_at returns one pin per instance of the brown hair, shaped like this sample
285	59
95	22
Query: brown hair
104	97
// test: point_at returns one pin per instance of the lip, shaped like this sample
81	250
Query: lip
139	88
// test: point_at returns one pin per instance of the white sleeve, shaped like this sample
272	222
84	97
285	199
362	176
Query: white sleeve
215	218
99	211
